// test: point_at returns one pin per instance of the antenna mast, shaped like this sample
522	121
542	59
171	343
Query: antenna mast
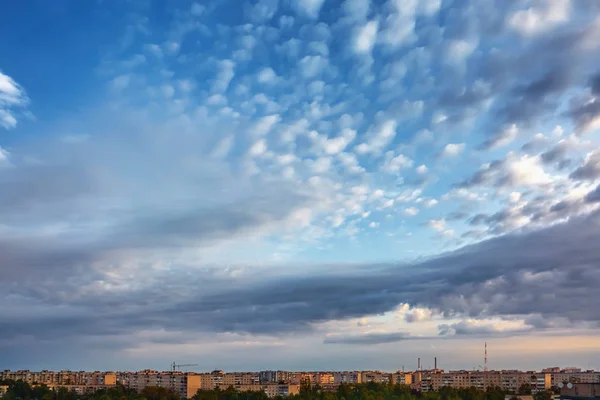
485	367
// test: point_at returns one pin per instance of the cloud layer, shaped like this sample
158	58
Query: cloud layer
304	175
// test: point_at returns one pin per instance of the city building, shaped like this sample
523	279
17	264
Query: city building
346	377
283	383
580	391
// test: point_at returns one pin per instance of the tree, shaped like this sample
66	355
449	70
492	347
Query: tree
524	389
543	395
158	393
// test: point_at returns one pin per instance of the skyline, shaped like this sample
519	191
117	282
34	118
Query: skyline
299	184
193	369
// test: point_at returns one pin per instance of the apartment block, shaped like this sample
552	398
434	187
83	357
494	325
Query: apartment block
346	377
375	376
276	376
184	384
401	378
61	378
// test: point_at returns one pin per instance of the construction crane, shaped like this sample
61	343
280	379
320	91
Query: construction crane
176	366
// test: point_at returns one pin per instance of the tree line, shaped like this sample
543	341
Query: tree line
20	390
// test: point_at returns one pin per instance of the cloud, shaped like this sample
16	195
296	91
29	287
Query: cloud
504	137
437	224
264	125
472	327
365	38
3	156
399	24
418	315
430	203
308	8
337	144
453	149
356	10
457	51
541	18
513	171
214	190
258	148
593	196
267	75
12	97
590	170
411	211
312	66
197	9
379	138
224	76
394	164
368	339
586	114
262	11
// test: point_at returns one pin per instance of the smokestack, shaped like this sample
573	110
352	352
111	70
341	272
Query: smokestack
435	363
419	364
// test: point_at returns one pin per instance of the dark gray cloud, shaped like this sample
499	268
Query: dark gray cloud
457	215
551	272
595	84
370	339
585	115
593	196
590	170
472	328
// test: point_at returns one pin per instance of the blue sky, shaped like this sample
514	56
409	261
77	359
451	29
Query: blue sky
391	172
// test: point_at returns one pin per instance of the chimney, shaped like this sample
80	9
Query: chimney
419	364
435	363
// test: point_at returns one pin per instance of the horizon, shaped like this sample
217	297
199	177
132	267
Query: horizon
190	370
299	183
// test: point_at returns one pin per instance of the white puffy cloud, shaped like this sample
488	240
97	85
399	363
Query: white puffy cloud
457	51
224	76
514	197
437	224
411	211
262	11
399	25
350	163
12	97
543	16
430	203
308	8
421	169
311	66
3	156
258	148
264	125
120	82
267	75
216	99
453	149
154	49
356	10
379	139
197	9
338	144
527	171
365	38
394	164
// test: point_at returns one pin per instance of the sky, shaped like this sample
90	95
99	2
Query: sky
299	184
